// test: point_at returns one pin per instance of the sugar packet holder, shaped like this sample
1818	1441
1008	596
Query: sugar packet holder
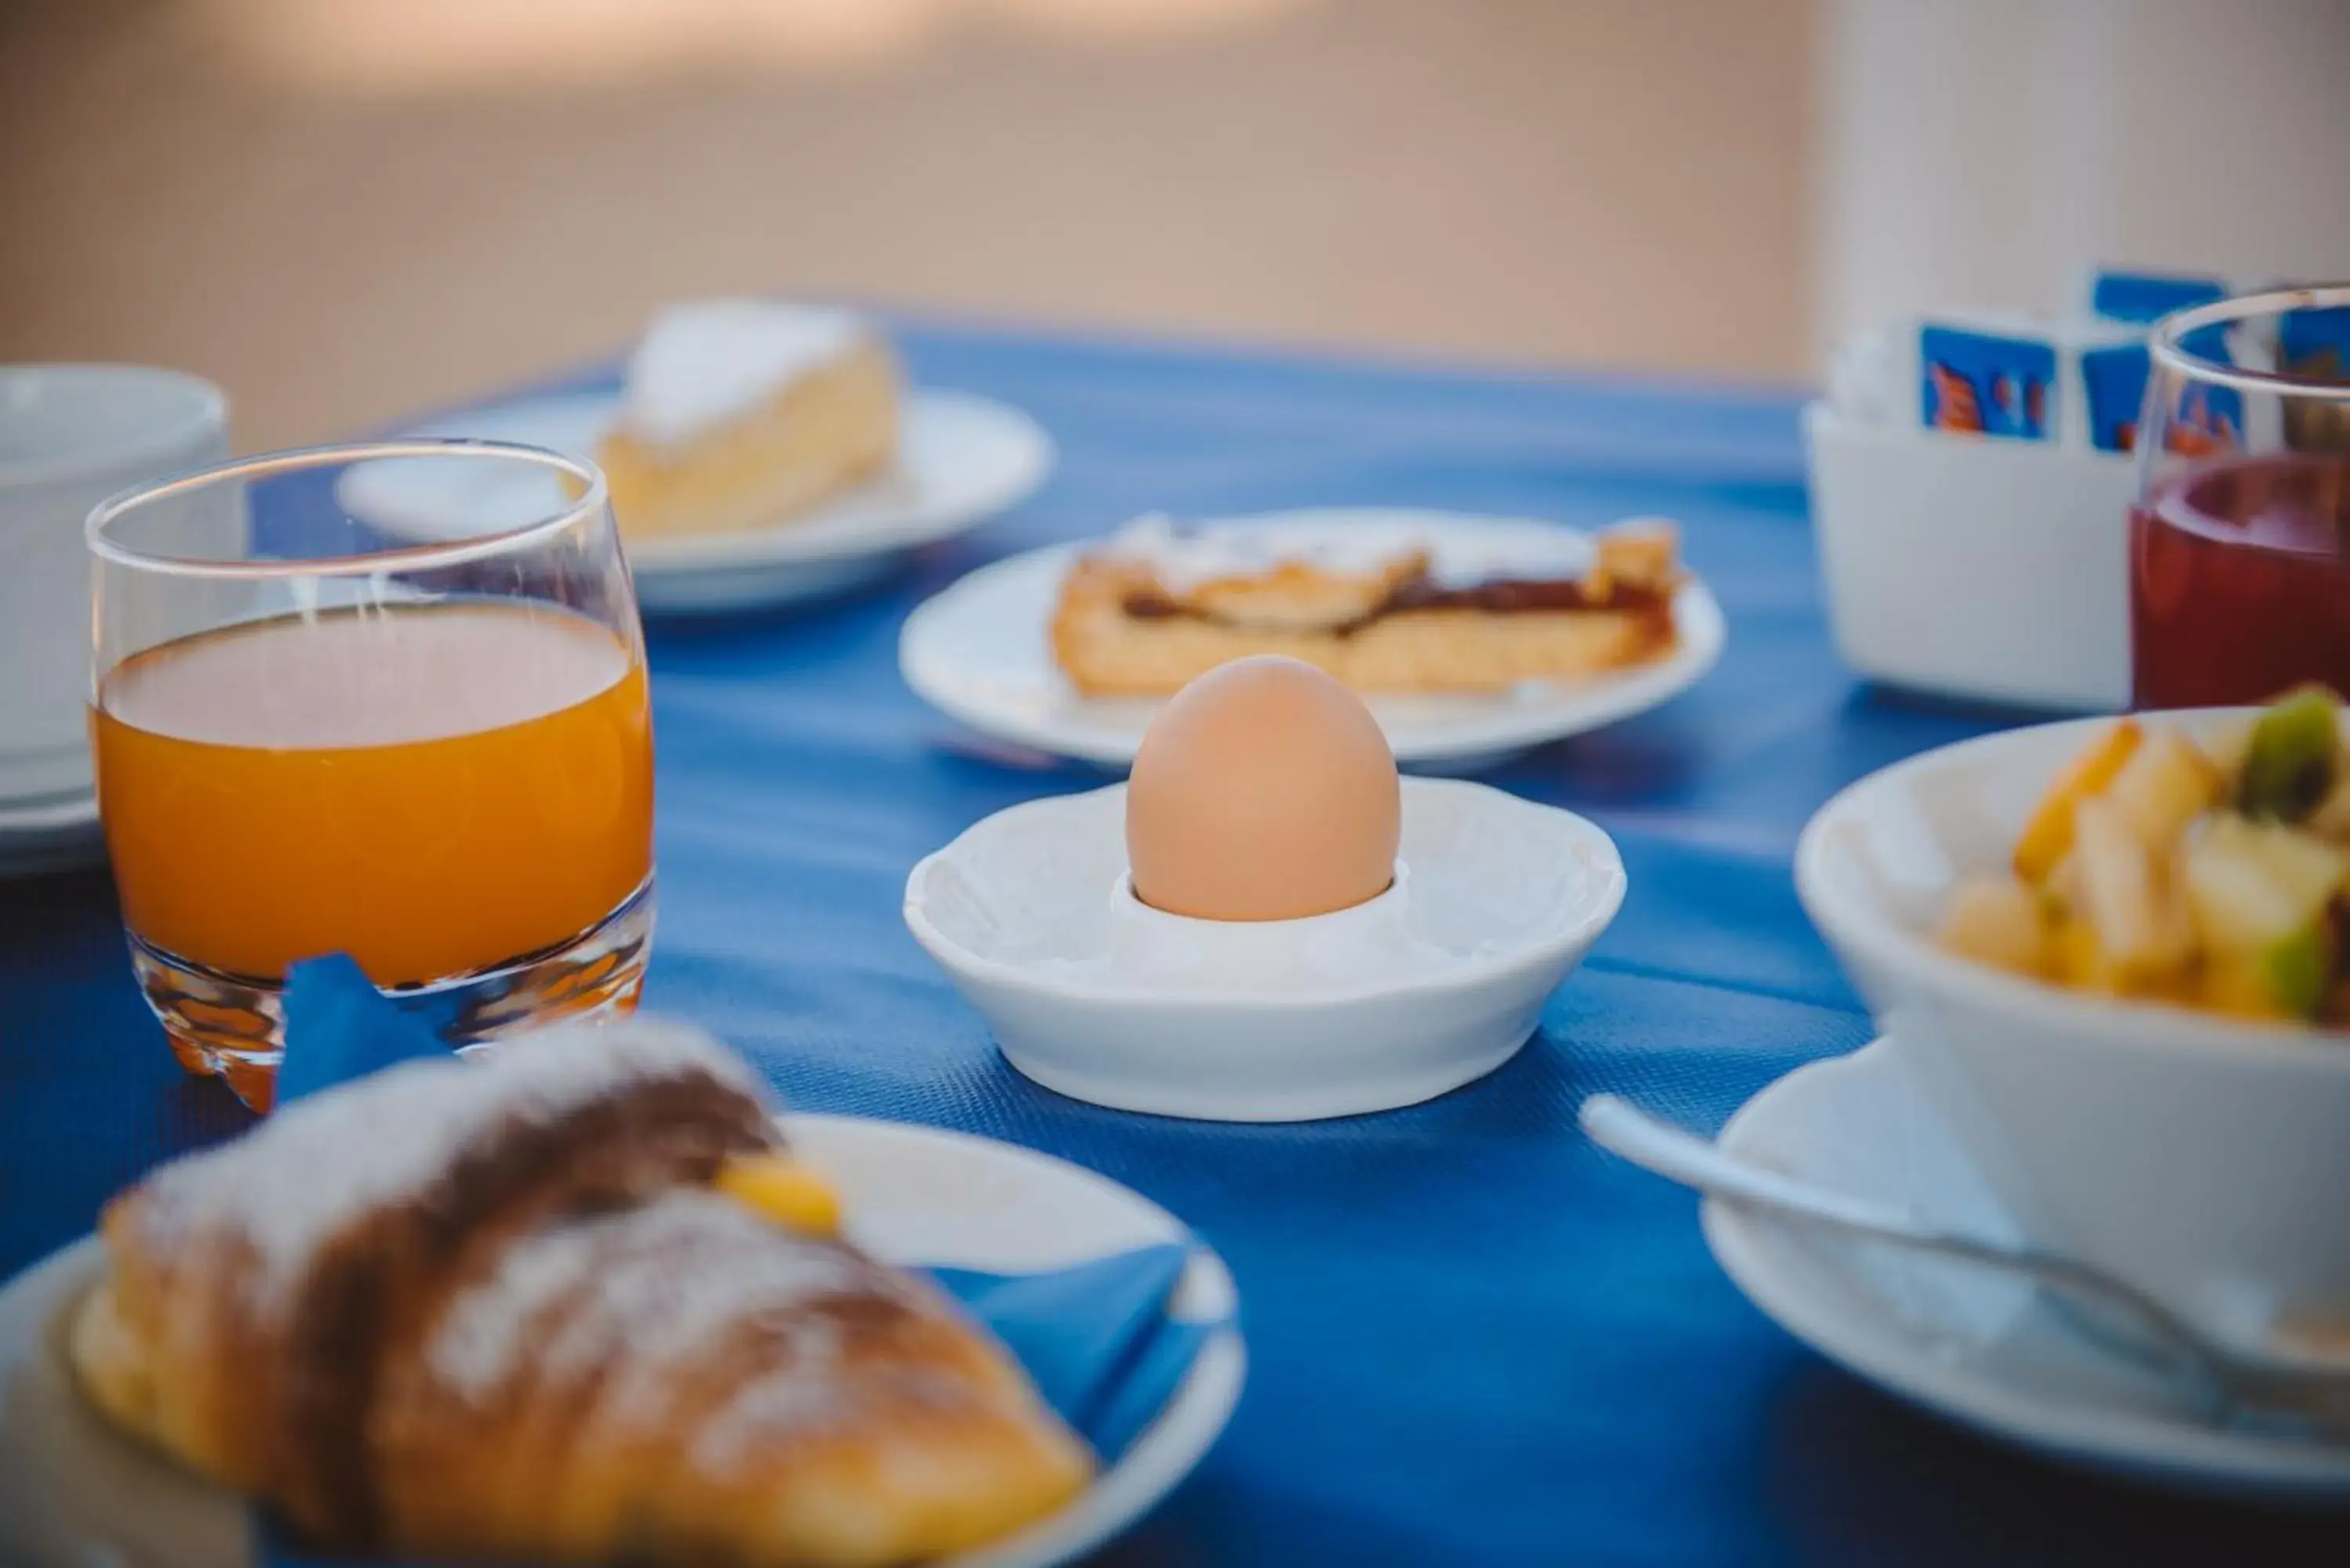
1973	545
1981	558
1973	567
1996	567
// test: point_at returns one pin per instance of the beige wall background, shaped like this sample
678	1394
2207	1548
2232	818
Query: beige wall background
345	209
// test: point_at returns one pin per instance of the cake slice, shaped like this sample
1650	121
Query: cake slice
1156	607
739	414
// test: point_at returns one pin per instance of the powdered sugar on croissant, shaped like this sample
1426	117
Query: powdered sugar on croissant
498	1310
413	1126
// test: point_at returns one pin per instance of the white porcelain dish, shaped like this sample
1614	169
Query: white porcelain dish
1434	984
2201	1159
1974	567
1976	1346
979	653
961	459
74	1493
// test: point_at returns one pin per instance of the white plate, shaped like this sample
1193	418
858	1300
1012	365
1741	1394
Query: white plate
73	1493
1978	1348
979	653
961	459
50	832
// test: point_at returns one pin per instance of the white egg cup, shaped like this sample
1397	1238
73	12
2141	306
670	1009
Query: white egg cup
1436	981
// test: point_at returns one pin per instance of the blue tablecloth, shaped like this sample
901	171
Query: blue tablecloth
1475	1338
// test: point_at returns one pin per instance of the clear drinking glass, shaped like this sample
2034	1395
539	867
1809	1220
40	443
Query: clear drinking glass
2240	542
386	701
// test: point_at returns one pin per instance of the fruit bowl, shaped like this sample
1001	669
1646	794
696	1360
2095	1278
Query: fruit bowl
2199	1155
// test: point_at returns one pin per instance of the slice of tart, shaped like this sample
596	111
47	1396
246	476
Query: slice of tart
1155	607
739	413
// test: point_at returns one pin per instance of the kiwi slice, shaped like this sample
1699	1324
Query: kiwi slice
2289	764
2298	970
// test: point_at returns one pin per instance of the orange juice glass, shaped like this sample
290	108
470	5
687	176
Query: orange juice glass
402	716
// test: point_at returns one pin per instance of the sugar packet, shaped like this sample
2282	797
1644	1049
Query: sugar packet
1976	382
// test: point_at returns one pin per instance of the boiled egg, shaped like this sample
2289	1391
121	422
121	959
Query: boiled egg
1263	791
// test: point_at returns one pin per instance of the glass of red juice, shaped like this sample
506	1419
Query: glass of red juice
2240	540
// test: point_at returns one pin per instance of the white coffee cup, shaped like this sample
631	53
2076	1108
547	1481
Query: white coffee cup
70	436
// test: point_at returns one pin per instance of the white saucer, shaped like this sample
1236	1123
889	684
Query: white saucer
961	459
979	652
50	832
1979	1348
73	1493
1433	984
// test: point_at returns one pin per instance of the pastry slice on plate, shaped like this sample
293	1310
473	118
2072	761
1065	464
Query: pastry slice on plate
1154	607
573	1305
740	413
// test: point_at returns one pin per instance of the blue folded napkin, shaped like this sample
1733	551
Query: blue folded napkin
1096	1339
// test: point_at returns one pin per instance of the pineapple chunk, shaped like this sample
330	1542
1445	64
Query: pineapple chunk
2310	869
2227	745
1997	921
2293	977
2049	835
2262	897
2166	783
2232	983
2075	958
2250	885
2061	886
2144	930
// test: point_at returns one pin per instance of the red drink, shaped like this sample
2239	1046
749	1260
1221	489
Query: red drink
2239	581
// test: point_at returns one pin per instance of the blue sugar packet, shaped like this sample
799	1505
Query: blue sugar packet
2112	382
1985	383
2205	418
1096	1339
2142	298
2315	341
2114	377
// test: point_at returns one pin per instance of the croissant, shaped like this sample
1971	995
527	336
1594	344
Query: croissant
501	1311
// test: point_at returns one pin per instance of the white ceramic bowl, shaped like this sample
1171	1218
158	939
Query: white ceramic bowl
2202	1158
1435	982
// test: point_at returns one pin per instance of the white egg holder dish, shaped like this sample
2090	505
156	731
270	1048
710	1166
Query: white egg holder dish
1435	982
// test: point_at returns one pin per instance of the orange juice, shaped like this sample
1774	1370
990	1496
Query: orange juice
431	789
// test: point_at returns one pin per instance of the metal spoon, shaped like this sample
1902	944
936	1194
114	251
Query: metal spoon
2226	1384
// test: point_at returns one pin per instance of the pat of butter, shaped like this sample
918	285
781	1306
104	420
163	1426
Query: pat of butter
782	1189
